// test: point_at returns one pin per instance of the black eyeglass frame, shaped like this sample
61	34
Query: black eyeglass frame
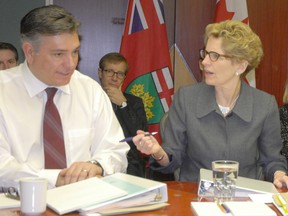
111	73
215	56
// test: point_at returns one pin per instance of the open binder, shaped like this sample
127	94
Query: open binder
111	192
244	186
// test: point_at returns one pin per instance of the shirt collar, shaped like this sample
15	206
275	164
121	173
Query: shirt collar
34	86
207	102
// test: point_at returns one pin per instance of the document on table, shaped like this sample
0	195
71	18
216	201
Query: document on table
234	208
141	192
6	202
262	198
133	209
74	196
115	191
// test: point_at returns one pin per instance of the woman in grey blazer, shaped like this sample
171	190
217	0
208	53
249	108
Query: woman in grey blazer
222	117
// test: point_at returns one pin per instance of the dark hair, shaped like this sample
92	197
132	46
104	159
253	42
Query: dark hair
47	20
111	58
8	46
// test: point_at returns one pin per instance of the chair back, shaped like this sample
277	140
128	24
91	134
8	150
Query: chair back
163	124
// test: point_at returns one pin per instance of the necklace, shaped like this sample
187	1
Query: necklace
226	110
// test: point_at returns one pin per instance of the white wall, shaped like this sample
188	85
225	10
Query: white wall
11	13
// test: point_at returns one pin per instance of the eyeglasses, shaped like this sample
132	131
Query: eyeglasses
214	56
111	73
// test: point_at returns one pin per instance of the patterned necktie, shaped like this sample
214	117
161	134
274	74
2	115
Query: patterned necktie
54	148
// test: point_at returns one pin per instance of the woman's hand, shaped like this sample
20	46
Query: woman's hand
280	179
149	145
146	144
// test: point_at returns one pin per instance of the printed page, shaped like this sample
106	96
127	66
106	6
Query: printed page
140	192
6	202
74	196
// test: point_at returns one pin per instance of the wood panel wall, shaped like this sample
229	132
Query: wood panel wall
269	19
186	21
192	16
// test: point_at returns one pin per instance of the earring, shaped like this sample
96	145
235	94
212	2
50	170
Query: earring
237	74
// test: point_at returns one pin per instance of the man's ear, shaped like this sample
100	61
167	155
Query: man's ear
28	52
100	73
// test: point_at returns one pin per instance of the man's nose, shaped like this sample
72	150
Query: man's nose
71	61
5	66
115	76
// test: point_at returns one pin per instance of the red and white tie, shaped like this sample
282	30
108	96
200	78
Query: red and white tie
54	147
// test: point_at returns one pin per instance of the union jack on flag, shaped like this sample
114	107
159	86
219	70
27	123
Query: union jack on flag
145	46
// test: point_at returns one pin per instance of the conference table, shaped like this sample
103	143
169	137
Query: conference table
180	194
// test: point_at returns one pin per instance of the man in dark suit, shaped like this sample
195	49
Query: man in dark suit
129	109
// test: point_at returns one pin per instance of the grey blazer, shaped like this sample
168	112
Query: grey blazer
197	133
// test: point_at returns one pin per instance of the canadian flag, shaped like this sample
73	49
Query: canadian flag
234	10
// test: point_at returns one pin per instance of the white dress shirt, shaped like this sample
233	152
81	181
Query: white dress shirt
91	130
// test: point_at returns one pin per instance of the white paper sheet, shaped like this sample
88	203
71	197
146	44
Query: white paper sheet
6	202
74	196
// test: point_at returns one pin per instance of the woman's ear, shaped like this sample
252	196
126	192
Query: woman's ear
241	67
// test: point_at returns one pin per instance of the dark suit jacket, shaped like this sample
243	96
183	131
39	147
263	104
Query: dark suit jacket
283	111
133	118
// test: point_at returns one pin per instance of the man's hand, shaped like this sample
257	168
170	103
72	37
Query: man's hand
78	171
116	96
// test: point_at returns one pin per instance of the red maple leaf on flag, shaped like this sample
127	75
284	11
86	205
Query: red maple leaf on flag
222	12
234	10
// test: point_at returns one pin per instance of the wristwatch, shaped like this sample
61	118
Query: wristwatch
124	104
98	164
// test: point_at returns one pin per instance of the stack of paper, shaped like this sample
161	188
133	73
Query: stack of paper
141	192
74	196
116	191
232	208
6	202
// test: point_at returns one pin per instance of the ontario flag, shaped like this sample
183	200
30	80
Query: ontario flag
145	46
234	10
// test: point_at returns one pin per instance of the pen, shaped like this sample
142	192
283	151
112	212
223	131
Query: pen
127	139
227	210
221	207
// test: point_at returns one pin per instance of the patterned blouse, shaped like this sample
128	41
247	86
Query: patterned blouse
284	129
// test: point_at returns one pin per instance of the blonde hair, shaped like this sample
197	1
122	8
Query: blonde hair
285	96
238	41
